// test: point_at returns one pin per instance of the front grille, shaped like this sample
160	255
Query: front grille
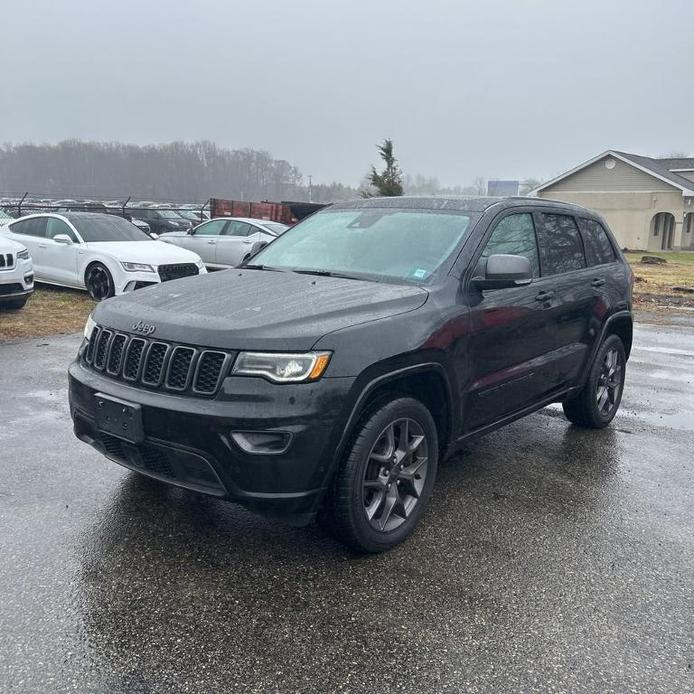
6	261
208	372
156	364
133	358
174	272
103	339
13	288
179	368
115	356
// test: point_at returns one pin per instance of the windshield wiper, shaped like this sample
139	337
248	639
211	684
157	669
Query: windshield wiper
269	268
327	273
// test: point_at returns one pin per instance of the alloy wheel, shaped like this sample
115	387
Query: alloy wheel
609	382
99	283
395	474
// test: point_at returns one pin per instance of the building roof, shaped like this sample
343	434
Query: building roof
663	169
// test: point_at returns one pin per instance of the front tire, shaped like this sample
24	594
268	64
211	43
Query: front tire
386	476
99	282
597	403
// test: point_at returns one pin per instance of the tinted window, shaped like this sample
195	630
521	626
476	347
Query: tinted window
30	227
57	226
599	248
106	227
561	248
237	229
515	235
211	228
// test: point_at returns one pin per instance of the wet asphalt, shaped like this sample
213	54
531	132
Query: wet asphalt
551	560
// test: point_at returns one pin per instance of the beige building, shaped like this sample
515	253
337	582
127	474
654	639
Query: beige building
648	203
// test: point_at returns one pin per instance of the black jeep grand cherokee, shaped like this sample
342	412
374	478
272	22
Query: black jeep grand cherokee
331	374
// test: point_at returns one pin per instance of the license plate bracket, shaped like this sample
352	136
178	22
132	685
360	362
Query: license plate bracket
119	418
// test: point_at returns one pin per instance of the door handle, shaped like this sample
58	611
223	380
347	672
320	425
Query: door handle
597	282
545	296
42	245
212	242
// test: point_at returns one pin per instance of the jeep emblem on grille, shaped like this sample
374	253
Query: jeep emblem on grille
144	328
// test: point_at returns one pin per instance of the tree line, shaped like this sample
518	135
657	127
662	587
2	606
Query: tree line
182	171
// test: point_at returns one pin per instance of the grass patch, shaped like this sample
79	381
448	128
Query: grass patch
49	311
659	279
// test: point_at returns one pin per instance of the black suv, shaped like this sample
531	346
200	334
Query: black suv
330	374
160	220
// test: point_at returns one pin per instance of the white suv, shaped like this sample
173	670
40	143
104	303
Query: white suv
16	274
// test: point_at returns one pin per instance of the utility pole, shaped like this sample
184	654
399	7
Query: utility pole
310	188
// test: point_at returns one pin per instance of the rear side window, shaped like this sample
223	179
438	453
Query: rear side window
514	235
30	227
561	247
599	249
238	229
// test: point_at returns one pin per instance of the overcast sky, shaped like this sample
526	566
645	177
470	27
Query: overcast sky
504	89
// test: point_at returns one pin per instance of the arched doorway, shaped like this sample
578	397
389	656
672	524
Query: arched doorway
663	229
688	231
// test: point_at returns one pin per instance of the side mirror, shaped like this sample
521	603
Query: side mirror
63	239
256	248
503	271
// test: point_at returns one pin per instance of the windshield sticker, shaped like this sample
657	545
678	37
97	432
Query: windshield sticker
419	273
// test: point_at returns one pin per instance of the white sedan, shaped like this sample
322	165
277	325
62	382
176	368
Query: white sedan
102	253
226	241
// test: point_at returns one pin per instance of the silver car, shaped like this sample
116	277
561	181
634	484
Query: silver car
225	241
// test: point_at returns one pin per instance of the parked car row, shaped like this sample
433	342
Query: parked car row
107	254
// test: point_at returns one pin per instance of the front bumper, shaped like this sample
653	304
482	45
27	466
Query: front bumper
17	281
188	441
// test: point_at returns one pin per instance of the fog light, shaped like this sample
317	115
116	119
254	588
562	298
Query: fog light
262	442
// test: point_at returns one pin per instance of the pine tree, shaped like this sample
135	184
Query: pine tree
388	183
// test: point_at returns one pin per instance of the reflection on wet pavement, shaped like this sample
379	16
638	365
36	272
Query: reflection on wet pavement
551	559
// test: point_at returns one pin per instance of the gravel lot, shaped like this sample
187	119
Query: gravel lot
551	560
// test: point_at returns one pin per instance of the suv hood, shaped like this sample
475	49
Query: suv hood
256	309
150	252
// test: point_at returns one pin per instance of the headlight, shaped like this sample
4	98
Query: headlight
137	267
282	368
23	254
89	327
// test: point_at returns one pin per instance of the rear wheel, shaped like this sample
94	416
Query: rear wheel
597	403
99	282
386	476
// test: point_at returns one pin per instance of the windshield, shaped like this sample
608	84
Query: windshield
96	227
394	243
189	214
169	214
276	227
